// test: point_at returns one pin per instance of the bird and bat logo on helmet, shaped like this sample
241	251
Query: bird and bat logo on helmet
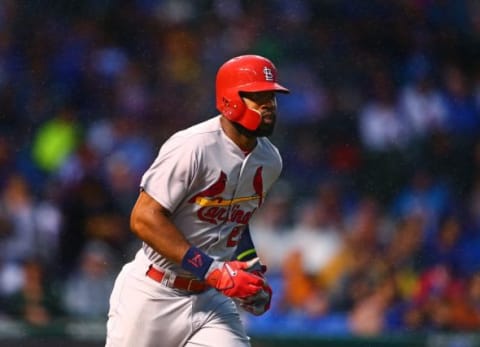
268	74
215	209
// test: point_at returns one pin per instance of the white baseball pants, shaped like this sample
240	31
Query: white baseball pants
145	313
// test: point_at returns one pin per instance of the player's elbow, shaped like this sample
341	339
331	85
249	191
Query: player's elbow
140	227
142	224
137	223
134	224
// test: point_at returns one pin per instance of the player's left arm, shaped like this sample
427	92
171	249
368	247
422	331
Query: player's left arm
259	303
245	248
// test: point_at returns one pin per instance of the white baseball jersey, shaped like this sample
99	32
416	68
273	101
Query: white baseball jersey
212	189
210	186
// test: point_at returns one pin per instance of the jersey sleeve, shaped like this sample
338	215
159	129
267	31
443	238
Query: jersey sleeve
170	175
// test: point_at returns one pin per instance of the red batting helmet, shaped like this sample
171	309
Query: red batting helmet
246	73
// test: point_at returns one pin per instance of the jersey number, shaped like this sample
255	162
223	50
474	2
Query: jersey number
234	236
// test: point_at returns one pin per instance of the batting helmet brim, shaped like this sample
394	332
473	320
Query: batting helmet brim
263	87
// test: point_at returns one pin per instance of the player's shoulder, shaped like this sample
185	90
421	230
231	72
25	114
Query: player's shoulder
199	131
195	135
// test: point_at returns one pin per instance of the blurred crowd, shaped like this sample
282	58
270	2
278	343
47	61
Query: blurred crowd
374	226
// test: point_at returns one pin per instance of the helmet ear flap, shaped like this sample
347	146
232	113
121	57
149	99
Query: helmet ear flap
232	108
236	111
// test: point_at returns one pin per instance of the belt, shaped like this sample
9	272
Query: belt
183	283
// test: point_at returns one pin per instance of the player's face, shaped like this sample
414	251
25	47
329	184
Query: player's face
264	103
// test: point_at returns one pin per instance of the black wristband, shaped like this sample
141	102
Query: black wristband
245	249
196	262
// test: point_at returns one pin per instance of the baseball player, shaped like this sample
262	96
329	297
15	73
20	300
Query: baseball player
198	262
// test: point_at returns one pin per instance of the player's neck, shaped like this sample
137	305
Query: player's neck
245	142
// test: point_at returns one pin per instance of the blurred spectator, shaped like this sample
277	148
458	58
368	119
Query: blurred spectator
28	229
126	161
470	243
383	134
445	246
368	315
80	164
300	293
317	231
271	227
421	103
462	118
48	224
357	281
381	126
425	196
87	288
90	212
403	253
465	309
361	237
437	289
18	241
313	241
55	140
37	301
463	124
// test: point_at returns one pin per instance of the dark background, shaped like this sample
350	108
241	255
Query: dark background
374	226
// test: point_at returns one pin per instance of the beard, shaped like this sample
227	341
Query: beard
264	129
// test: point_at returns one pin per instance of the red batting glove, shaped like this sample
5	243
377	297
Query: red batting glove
257	268
233	279
259	303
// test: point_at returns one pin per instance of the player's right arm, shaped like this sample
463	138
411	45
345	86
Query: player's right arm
150	221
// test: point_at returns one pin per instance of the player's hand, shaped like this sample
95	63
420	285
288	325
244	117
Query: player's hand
233	278
259	303
257	268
